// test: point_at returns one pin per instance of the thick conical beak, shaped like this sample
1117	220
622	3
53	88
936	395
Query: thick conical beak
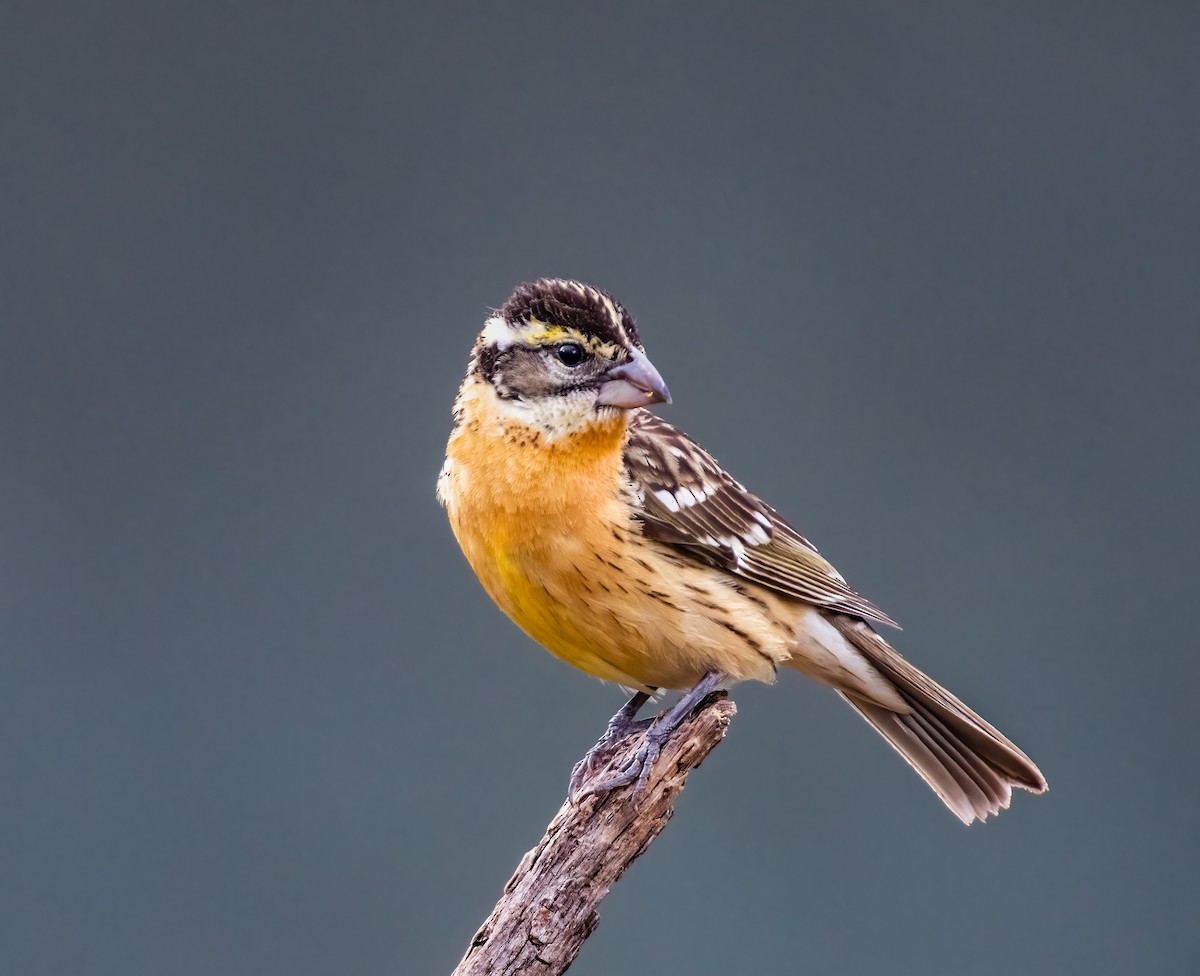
634	383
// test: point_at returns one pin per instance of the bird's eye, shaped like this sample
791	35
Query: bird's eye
570	354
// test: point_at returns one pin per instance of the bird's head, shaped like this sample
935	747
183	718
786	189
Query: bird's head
561	353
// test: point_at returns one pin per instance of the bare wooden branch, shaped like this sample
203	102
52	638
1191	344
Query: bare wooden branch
550	905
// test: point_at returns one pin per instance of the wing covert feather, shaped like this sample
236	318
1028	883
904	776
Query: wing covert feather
691	503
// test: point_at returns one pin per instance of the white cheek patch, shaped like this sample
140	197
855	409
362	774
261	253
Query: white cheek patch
554	417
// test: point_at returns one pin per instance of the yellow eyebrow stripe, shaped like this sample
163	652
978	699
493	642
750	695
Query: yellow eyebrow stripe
541	333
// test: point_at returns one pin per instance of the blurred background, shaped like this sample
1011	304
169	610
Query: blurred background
923	276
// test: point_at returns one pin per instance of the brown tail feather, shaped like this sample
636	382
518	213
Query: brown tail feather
967	762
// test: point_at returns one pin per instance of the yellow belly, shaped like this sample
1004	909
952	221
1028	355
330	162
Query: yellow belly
546	600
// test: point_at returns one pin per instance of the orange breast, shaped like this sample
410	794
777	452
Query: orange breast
530	515
546	528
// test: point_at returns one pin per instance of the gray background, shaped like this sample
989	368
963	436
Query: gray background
924	276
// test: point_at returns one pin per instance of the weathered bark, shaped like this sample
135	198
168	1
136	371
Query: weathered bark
549	907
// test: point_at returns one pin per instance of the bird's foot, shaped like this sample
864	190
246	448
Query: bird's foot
619	726
637	768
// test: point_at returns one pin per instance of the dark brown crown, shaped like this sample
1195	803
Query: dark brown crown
573	305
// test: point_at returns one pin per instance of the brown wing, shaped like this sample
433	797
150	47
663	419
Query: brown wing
689	502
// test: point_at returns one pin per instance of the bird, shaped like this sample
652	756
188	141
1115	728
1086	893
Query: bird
624	548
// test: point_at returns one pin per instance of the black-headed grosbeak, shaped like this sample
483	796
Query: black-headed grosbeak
620	545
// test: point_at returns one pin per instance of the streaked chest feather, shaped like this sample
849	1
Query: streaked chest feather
549	530
526	508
